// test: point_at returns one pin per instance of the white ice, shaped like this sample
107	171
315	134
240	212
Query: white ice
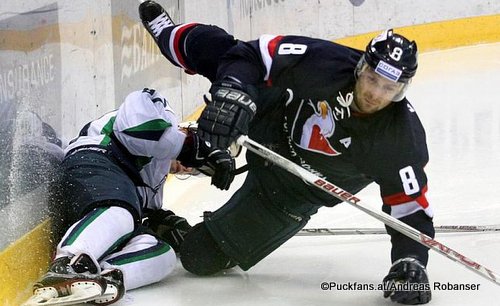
456	94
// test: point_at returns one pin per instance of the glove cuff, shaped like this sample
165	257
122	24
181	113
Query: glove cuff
190	155
231	90
409	259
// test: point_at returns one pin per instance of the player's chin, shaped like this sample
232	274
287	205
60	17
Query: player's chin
370	106
368	109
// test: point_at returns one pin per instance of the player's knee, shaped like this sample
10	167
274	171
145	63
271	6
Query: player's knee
200	254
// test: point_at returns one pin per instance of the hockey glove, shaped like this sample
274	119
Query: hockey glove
407	282
167	226
228	114
217	163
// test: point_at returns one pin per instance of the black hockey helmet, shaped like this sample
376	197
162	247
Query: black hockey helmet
392	56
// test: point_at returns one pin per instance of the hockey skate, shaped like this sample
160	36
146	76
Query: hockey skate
154	18
76	280
114	288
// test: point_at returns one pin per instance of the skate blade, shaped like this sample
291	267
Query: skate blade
108	296
81	292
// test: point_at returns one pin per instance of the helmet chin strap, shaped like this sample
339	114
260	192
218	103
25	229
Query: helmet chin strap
402	93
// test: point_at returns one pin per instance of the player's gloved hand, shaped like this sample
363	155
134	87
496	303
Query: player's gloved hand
220	166
167	226
215	162
228	114
411	276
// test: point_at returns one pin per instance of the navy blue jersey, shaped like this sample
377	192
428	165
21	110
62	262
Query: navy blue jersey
304	92
312	80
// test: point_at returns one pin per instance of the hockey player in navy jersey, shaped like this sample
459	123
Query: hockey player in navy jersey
111	178
341	113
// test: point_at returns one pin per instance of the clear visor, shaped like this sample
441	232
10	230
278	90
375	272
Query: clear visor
371	79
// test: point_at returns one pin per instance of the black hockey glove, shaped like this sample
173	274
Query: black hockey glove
167	226
407	282
217	163
228	114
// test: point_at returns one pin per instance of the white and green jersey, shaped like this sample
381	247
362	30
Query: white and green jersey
146	126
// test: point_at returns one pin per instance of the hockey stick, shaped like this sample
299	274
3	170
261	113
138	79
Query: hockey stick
345	196
449	229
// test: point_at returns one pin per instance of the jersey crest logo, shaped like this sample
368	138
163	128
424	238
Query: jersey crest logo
317	129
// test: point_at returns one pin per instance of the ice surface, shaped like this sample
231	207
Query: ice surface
456	94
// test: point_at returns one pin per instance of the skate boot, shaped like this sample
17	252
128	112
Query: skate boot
115	288
154	18
69	281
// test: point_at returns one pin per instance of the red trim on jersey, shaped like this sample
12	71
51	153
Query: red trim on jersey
401	198
273	43
271	48
177	50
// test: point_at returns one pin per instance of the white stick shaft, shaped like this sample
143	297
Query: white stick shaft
352	200
451	229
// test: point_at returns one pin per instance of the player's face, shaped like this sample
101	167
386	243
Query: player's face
373	92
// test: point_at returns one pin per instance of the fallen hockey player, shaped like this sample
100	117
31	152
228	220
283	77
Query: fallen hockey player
111	180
